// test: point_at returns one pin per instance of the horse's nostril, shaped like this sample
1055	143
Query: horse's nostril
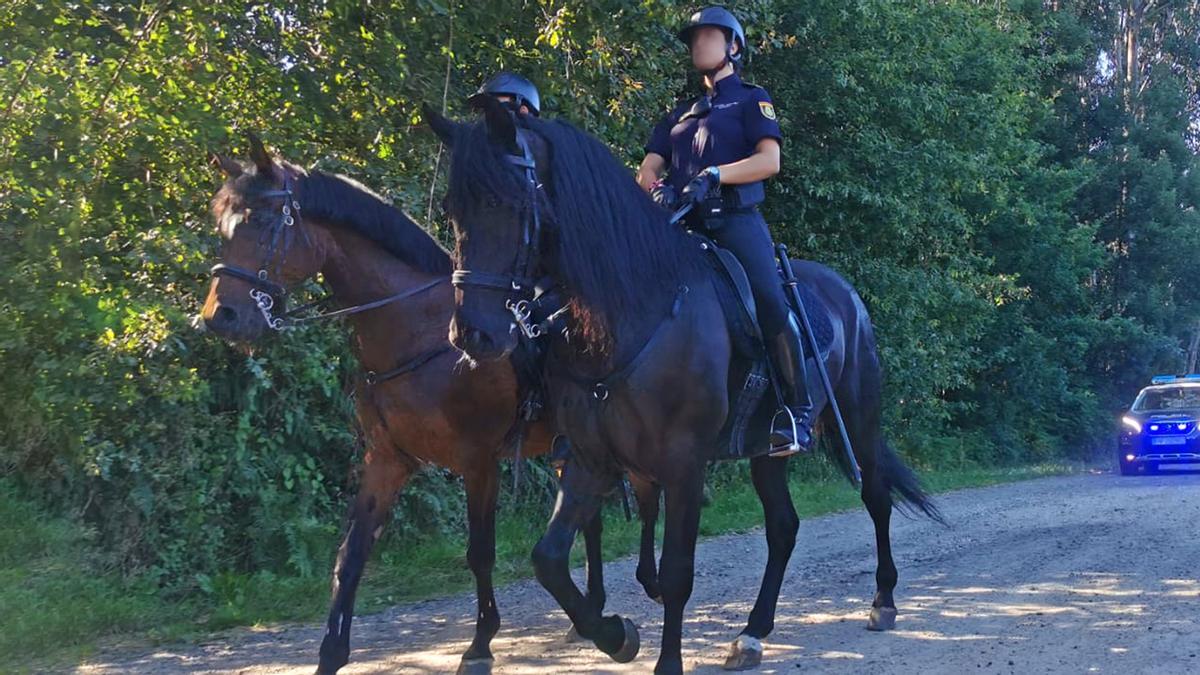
225	316
478	340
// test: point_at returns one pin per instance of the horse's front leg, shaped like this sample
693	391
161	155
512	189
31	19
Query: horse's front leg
577	507
677	569
482	490
592	541
384	473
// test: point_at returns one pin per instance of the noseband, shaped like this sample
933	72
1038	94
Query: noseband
522	290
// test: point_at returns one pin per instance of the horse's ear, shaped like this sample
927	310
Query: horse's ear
258	153
231	168
502	127
445	128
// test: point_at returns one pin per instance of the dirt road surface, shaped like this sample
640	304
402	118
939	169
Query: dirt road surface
1088	573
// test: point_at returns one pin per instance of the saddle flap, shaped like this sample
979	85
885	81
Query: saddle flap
732	287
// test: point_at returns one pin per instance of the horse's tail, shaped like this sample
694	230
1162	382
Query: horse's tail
908	495
835	451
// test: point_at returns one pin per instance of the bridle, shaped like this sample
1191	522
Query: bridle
268	294
523	291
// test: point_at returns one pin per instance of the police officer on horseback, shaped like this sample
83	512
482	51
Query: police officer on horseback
716	150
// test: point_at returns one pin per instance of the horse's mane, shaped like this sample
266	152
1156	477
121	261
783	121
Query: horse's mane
344	202
616	252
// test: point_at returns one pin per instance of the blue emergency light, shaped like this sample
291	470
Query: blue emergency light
1169	379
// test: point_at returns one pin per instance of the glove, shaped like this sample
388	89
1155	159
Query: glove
664	195
699	187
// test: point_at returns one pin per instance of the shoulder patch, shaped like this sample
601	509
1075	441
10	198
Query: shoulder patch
767	110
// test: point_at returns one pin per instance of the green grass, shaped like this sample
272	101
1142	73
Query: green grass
59	601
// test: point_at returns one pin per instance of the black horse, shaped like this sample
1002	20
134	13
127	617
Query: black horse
642	380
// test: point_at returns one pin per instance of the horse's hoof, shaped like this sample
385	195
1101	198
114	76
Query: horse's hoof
334	654
745	653
628	650
572	635
475	667
882	618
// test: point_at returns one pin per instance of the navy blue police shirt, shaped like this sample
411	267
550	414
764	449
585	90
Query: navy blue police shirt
742	115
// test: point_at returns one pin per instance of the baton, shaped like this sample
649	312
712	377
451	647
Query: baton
789	278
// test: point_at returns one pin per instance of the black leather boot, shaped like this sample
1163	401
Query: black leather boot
791	430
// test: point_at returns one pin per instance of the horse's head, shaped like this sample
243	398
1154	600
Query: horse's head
497	208
268	246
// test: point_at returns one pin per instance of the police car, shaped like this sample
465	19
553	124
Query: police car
1161	427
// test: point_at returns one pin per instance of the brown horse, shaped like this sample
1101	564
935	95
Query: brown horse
416	402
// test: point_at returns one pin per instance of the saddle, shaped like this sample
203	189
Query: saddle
747	426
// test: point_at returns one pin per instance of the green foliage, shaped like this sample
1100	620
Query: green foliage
1019	224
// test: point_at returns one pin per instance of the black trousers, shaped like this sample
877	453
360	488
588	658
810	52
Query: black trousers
746	235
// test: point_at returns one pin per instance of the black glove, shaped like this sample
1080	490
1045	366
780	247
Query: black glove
664	195
699	187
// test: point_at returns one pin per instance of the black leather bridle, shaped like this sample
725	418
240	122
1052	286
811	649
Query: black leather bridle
521	288
268	295
277	240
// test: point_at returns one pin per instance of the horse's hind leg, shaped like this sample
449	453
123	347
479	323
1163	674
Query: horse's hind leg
878	500
647	494
384	473
865	432
482	487
770	482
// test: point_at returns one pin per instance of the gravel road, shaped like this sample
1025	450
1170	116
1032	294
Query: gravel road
1083	573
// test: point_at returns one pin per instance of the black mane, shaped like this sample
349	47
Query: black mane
344	202
614	247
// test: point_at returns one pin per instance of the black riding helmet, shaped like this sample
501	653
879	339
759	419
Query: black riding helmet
721	18
505	83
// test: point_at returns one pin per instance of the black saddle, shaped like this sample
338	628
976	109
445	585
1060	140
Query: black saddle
747	426
737	301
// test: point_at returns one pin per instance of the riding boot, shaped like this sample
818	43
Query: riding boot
791	430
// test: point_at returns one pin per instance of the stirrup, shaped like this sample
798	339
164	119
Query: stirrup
790	448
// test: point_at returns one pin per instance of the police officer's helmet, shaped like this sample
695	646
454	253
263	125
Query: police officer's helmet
510	84
721	18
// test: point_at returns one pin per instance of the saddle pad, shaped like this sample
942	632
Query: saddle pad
818	316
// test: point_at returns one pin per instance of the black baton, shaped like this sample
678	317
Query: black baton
789	278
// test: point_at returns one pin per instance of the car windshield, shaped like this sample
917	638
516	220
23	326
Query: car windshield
1169	398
